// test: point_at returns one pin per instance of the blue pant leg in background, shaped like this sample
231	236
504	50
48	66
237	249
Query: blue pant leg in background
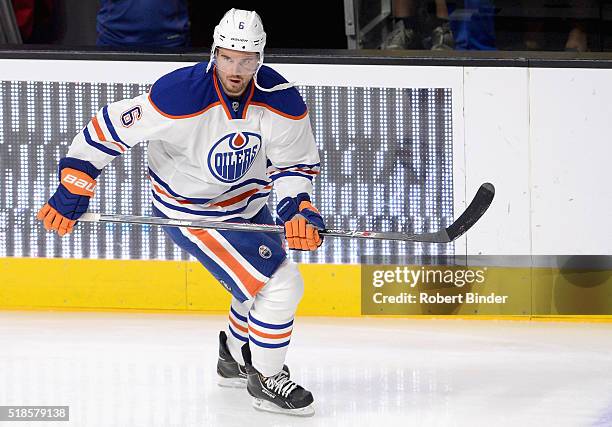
473	26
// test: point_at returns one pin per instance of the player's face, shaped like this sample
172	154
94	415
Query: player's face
235	69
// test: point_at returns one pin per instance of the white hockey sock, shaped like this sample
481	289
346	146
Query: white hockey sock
237	328
271	318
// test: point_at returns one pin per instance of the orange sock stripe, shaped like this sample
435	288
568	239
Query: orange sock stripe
237	326
250	283
265	335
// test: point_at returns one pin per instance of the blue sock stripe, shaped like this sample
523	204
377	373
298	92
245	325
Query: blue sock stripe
238	316
269	325
237	335
266	345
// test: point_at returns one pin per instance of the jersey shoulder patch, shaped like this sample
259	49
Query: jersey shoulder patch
184	93
287	102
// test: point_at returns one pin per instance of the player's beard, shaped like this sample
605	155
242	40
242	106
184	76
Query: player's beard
234	85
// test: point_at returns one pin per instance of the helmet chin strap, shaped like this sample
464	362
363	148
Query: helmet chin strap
212	57
281	86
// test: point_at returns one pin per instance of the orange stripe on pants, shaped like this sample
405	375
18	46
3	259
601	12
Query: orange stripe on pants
250	283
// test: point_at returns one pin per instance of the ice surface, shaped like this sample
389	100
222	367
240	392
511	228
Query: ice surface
135	369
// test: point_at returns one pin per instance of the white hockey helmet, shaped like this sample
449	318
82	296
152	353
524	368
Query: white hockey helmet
242	30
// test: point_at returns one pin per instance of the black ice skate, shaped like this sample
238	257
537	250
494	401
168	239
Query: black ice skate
277	393
231	373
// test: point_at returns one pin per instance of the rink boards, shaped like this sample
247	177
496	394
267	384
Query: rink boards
331	290
540	134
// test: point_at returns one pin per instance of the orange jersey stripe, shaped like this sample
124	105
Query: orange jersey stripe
161	191
251	283
121	148
280	113
186	116
100	134
246	105
221	100
96	125
237	326
308	171
265	335
240	197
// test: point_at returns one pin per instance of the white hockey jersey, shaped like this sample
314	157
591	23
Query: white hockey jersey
209	156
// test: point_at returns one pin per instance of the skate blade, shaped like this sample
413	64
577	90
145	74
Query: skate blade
232	382
265	406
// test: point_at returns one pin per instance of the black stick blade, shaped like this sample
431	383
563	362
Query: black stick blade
479	205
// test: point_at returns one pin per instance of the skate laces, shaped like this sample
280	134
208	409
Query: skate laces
280	384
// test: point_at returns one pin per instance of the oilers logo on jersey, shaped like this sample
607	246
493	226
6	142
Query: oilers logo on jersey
231	157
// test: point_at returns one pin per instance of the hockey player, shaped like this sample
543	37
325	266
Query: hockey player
221	135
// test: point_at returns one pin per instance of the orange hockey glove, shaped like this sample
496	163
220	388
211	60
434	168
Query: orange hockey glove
302	222
71	199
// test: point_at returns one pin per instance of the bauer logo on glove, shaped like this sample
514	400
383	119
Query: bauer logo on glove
302	222
78	182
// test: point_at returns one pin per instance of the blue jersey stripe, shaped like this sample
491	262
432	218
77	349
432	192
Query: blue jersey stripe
97	145
247	182
300	165
111	128
266	345
203	200
283	174
238	316
269	325
174	193
209	213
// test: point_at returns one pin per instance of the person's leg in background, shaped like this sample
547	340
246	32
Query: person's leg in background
441	35
404	34
577	39
474	29
533	38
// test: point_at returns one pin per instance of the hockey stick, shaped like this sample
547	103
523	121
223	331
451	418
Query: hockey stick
478	206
